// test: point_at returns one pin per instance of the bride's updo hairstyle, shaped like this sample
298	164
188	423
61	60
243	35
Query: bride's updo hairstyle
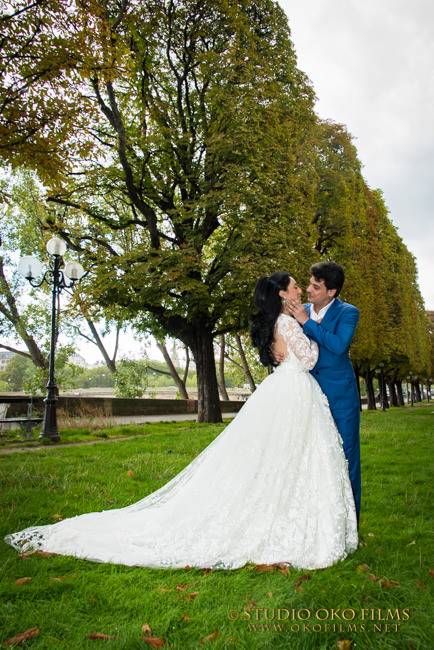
269	305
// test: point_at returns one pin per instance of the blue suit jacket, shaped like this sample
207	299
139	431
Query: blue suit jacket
334	371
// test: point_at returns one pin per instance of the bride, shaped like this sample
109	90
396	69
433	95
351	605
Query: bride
273	487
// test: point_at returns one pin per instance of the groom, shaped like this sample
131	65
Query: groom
332	323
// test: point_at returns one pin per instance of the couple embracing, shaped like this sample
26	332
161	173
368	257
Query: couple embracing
332	324
274	486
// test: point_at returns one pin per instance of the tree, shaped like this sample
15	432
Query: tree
131	378
16	373
242	364
192	185
180	382
25	314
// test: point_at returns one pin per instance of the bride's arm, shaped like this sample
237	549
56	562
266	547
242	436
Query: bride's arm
304	348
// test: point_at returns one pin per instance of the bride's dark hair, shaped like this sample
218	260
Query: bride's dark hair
269	305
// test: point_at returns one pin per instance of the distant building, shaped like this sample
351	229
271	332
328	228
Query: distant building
5	357
78	360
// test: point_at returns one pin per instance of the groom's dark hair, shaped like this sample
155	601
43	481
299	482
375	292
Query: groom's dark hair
332	274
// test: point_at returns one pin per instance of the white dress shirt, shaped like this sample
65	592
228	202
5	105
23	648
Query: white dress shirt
322	312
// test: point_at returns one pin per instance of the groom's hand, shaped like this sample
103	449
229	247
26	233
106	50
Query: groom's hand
278	357
297	310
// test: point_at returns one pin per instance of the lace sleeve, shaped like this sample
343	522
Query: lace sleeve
304	348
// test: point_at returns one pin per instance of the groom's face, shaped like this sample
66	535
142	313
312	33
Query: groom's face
318	294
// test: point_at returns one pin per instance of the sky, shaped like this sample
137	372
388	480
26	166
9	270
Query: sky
371	64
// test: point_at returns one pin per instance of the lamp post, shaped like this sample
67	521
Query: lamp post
31	268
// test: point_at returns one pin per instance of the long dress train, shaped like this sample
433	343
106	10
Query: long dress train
272	487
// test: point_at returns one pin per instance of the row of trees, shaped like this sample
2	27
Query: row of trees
180	157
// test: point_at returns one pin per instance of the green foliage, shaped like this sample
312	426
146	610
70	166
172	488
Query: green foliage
131	378
17	373
202	188
98	377
181	174
65	373
233	363
159	380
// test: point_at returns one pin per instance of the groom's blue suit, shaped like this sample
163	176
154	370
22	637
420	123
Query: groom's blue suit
334	373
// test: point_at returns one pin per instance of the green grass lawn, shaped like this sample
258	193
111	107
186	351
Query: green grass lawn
380	597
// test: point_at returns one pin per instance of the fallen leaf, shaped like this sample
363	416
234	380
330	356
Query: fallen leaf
431	572
270	594
262	568
421	584
26	554
21	581
413	543
191	596
24	636
44	553
362	568
305	576
146	629
344	645
59	517
186	617
211	637
182	587
101	637
284	569
57	579
371	535
130	473
386	584
206	571
155	642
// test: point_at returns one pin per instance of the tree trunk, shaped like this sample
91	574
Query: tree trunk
244	363
418	396
391	383
173	373
222	381
110	363
357	373
367	376
208	408
399	395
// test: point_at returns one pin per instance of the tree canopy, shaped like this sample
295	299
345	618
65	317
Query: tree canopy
183	159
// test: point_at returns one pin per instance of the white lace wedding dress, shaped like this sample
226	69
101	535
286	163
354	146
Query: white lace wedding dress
272	487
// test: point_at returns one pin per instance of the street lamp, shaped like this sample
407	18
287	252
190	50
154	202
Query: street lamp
30	267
